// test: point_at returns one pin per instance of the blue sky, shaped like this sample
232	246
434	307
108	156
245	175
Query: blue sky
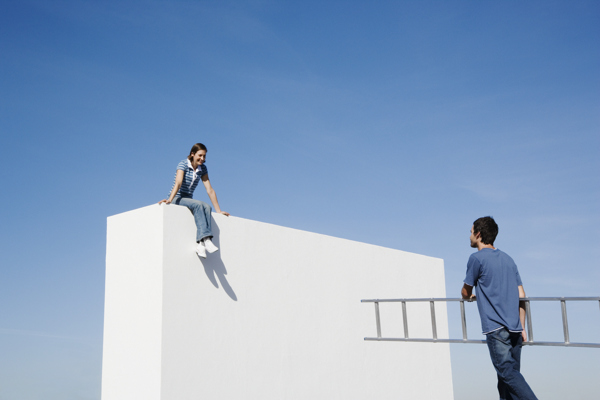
393	123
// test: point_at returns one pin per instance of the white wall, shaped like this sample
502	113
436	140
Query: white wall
276	314
131	366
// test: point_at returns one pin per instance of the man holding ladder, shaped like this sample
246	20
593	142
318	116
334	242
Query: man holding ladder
499	287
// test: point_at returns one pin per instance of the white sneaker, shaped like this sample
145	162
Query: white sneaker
201	250
210	246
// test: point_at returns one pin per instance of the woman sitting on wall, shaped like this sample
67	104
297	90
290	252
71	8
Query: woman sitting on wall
189	172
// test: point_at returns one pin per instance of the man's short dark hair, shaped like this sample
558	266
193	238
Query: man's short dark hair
487	227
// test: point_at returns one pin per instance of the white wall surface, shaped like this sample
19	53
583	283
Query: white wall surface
131	366
275	314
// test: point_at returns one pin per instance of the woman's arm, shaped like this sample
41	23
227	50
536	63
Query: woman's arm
212	194
178	183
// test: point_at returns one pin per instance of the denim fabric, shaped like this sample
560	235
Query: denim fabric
202	215
505	351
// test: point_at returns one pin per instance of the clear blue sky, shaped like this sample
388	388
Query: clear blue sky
395	123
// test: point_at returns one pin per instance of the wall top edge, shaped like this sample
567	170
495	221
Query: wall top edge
134	211
217	217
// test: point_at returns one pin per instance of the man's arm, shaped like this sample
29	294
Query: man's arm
467	292
522	312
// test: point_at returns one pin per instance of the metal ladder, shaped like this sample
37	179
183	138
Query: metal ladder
465	339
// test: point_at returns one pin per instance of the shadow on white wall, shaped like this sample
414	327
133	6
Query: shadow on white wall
214	266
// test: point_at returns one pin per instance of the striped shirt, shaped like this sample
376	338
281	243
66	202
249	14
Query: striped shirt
191	178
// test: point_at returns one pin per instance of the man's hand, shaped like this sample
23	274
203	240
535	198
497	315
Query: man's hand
467	292
524	334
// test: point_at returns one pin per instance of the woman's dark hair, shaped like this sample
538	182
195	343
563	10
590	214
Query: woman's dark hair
196	148
487	227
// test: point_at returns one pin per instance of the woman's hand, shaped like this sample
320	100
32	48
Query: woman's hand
224	213
165	201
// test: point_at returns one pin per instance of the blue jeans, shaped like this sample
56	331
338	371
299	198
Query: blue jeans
505	351
202	215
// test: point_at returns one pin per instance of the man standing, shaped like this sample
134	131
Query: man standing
499	288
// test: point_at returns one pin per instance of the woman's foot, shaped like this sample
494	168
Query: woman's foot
201	250
209	245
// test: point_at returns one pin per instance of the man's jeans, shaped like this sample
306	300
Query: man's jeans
202	215
505	351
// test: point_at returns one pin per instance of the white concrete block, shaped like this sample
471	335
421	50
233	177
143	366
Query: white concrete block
275	314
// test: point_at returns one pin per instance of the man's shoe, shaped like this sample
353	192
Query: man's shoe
201	250
209	245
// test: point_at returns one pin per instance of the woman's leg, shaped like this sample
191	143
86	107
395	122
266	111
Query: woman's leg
202	216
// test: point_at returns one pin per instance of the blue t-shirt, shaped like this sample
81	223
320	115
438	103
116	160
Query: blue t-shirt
191	178
496	279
